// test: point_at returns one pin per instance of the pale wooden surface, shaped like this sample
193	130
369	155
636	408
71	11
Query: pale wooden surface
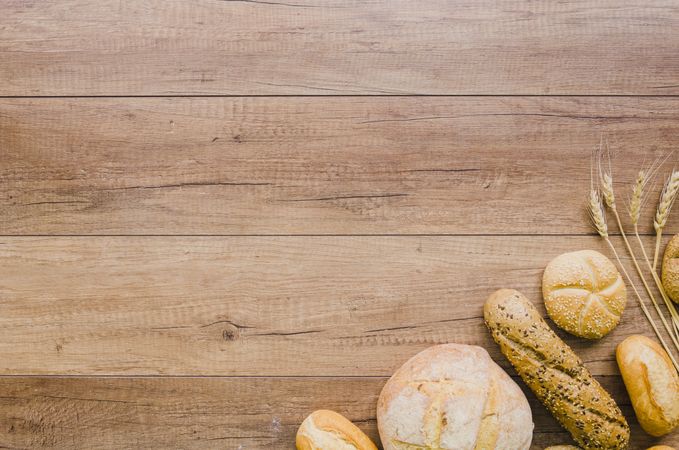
202	272
253	47
350	165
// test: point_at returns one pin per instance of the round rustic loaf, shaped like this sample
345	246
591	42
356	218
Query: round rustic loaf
670	269
453	396
584	293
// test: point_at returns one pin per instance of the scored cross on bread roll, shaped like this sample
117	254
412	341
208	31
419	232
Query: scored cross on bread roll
584	293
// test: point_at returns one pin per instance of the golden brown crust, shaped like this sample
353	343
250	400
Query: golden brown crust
331	426
660	447
554	373
652	383
670	268
584	293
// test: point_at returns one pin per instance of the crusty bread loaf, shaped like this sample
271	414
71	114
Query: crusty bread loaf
453	396
652	383
328	430
554	372
584	293
660	447
670	268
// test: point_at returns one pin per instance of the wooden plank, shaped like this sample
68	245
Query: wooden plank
318	165
132	413
88	47
345	306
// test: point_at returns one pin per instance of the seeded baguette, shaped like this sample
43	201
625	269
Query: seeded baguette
555	373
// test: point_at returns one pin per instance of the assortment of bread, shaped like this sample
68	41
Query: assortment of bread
584	293
454	396
652	383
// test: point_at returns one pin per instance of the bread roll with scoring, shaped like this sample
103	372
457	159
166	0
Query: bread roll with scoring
554	373
652	383
584	293
328	430
453	396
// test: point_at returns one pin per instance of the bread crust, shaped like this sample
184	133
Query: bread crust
584	293
554	373
453	396
327	430
652	383
670	269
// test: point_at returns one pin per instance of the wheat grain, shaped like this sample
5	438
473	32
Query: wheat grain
596	212
637	196
667	198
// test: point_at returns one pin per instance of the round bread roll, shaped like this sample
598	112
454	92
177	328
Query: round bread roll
652	383
670	269
453	396
584	293
328	430
660	447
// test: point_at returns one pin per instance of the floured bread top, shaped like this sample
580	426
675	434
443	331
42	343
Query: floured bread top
584	293
453	397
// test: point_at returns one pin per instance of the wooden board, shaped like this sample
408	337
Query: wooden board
295	306
330	47
207	413
319	165
218	216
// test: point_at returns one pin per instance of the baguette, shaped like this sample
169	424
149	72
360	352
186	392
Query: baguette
554	373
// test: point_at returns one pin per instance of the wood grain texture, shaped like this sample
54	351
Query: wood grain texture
294	306
209	413
88	47
347	165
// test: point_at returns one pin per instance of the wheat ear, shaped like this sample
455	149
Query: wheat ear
606	180
596	212
667	198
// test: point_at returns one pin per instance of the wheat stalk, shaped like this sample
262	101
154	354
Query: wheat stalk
596	212
606	183
667	198
635	205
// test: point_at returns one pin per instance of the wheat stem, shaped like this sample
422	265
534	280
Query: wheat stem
658	238
668	303
641	303
669	329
